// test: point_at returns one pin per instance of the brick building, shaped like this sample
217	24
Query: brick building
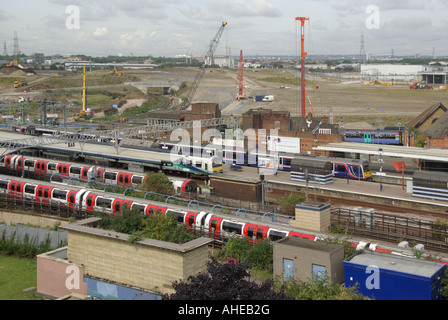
432	124
311	131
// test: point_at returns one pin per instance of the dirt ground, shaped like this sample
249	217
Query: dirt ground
351	100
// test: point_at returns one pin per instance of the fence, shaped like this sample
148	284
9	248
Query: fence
392	228
35	235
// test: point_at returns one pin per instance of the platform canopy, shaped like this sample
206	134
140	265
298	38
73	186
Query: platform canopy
432	154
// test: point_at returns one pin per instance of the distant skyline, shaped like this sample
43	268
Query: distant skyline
258	27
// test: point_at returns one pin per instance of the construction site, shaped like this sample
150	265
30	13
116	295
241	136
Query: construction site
103	95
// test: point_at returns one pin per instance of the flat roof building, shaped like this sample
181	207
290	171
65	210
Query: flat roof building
390	277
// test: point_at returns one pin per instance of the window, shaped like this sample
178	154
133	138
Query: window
3	184
137	180
104	203
110	175
231	227
51	166
60	194
75	170
29	163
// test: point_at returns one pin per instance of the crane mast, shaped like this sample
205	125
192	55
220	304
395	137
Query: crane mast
208	57
303	55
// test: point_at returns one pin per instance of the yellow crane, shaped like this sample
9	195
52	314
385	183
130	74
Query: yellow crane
84	113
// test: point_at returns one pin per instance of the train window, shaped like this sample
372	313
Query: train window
52	166
46	193
103	202
137	180
126	179
110	175
231	227
72	198
276	235
151	210
250	232
180	216
3	184
38	165
159	211
75	170
139	207
60	194
259	233
30	189
29	163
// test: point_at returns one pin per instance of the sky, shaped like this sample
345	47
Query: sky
258	27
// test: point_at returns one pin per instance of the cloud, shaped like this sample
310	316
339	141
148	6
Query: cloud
243	8
100	32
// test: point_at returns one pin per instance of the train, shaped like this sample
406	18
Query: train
340	167
183	187
388	135
321	170
217	226
213	225
431	185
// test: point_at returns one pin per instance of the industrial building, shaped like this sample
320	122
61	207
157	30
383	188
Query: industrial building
392	72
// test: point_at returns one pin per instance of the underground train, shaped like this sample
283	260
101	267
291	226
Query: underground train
186	188
217	226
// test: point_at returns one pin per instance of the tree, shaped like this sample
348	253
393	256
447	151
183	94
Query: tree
158	182
224	281
289	201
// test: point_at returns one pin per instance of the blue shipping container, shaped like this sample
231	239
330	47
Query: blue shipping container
383	276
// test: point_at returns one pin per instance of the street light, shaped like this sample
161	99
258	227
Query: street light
380	151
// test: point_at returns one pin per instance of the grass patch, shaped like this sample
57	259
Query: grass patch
16	275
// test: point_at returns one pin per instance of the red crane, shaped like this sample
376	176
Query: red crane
303	55
240	77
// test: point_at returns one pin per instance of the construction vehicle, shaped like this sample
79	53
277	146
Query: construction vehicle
12	63
85	112
18	84
199	75
115	72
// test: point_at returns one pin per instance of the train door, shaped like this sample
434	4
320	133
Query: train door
190	219
40	167
20	164
214	226
63	169
85	173
71	198
124	179
90	202
100	174
367	138
118	204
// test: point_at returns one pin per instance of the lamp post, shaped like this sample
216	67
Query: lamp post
380	160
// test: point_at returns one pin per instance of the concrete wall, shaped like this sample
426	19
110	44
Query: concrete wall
57	277
29	219
148	264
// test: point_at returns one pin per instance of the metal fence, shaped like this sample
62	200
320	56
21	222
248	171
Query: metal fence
391	228
33	235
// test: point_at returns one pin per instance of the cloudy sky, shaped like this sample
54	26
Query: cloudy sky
263	27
